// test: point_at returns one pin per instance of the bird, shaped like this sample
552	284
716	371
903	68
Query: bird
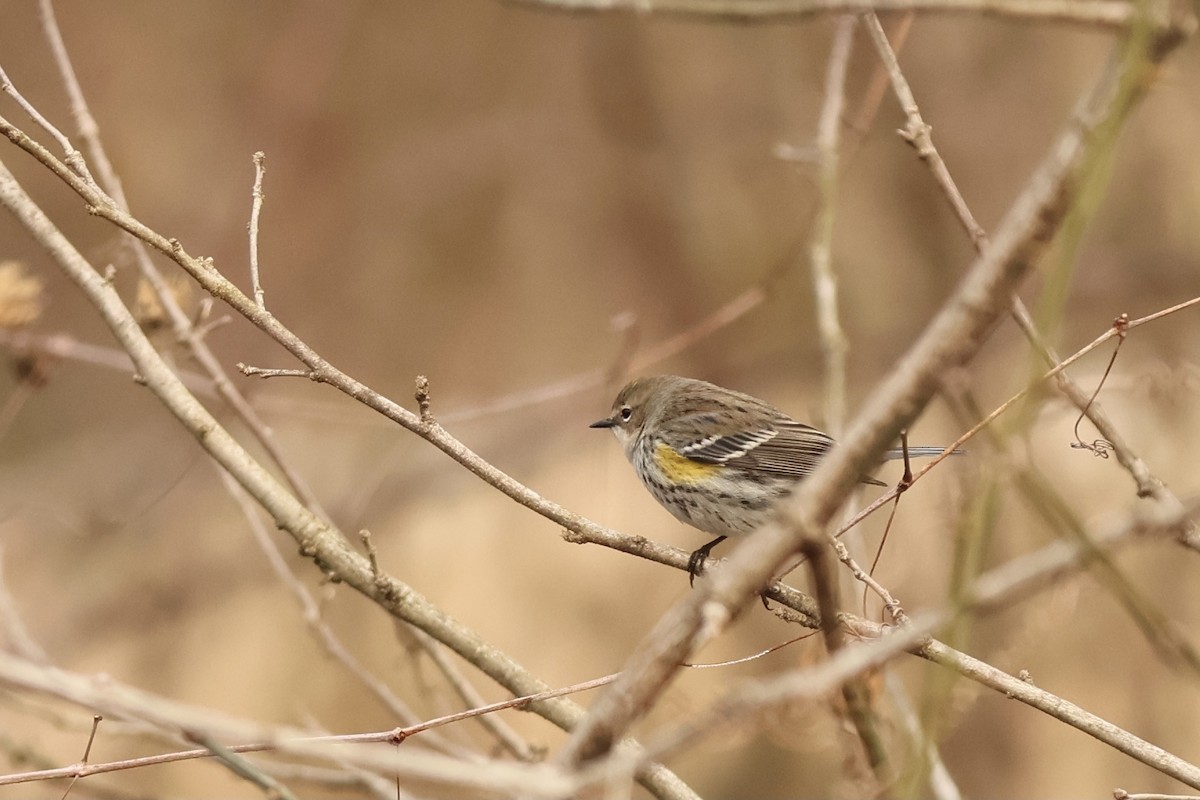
719	460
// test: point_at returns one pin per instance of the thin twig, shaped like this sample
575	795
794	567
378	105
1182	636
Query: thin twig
87	751
890	603
1106	14
263	372
256	204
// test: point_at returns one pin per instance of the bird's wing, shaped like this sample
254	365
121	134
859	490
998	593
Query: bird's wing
793	451
722	449
778	446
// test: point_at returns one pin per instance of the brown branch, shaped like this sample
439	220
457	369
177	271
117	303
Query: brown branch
855	691
824	280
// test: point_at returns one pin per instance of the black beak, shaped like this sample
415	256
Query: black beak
604	423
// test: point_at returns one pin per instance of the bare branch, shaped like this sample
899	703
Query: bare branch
1099	13
260	169
829	328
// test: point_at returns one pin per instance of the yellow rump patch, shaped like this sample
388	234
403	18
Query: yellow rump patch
681	469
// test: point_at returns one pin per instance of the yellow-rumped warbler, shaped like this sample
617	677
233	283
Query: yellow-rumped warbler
717	459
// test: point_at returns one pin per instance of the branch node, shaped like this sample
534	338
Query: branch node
74	159
920	135
372	555
422	395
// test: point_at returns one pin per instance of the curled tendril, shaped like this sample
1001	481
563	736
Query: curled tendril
1100	448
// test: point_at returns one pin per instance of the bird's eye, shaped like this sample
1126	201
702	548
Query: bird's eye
626	413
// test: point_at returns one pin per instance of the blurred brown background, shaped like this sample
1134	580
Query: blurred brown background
473	192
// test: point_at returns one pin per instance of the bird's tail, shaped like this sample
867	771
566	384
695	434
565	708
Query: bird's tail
918	452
